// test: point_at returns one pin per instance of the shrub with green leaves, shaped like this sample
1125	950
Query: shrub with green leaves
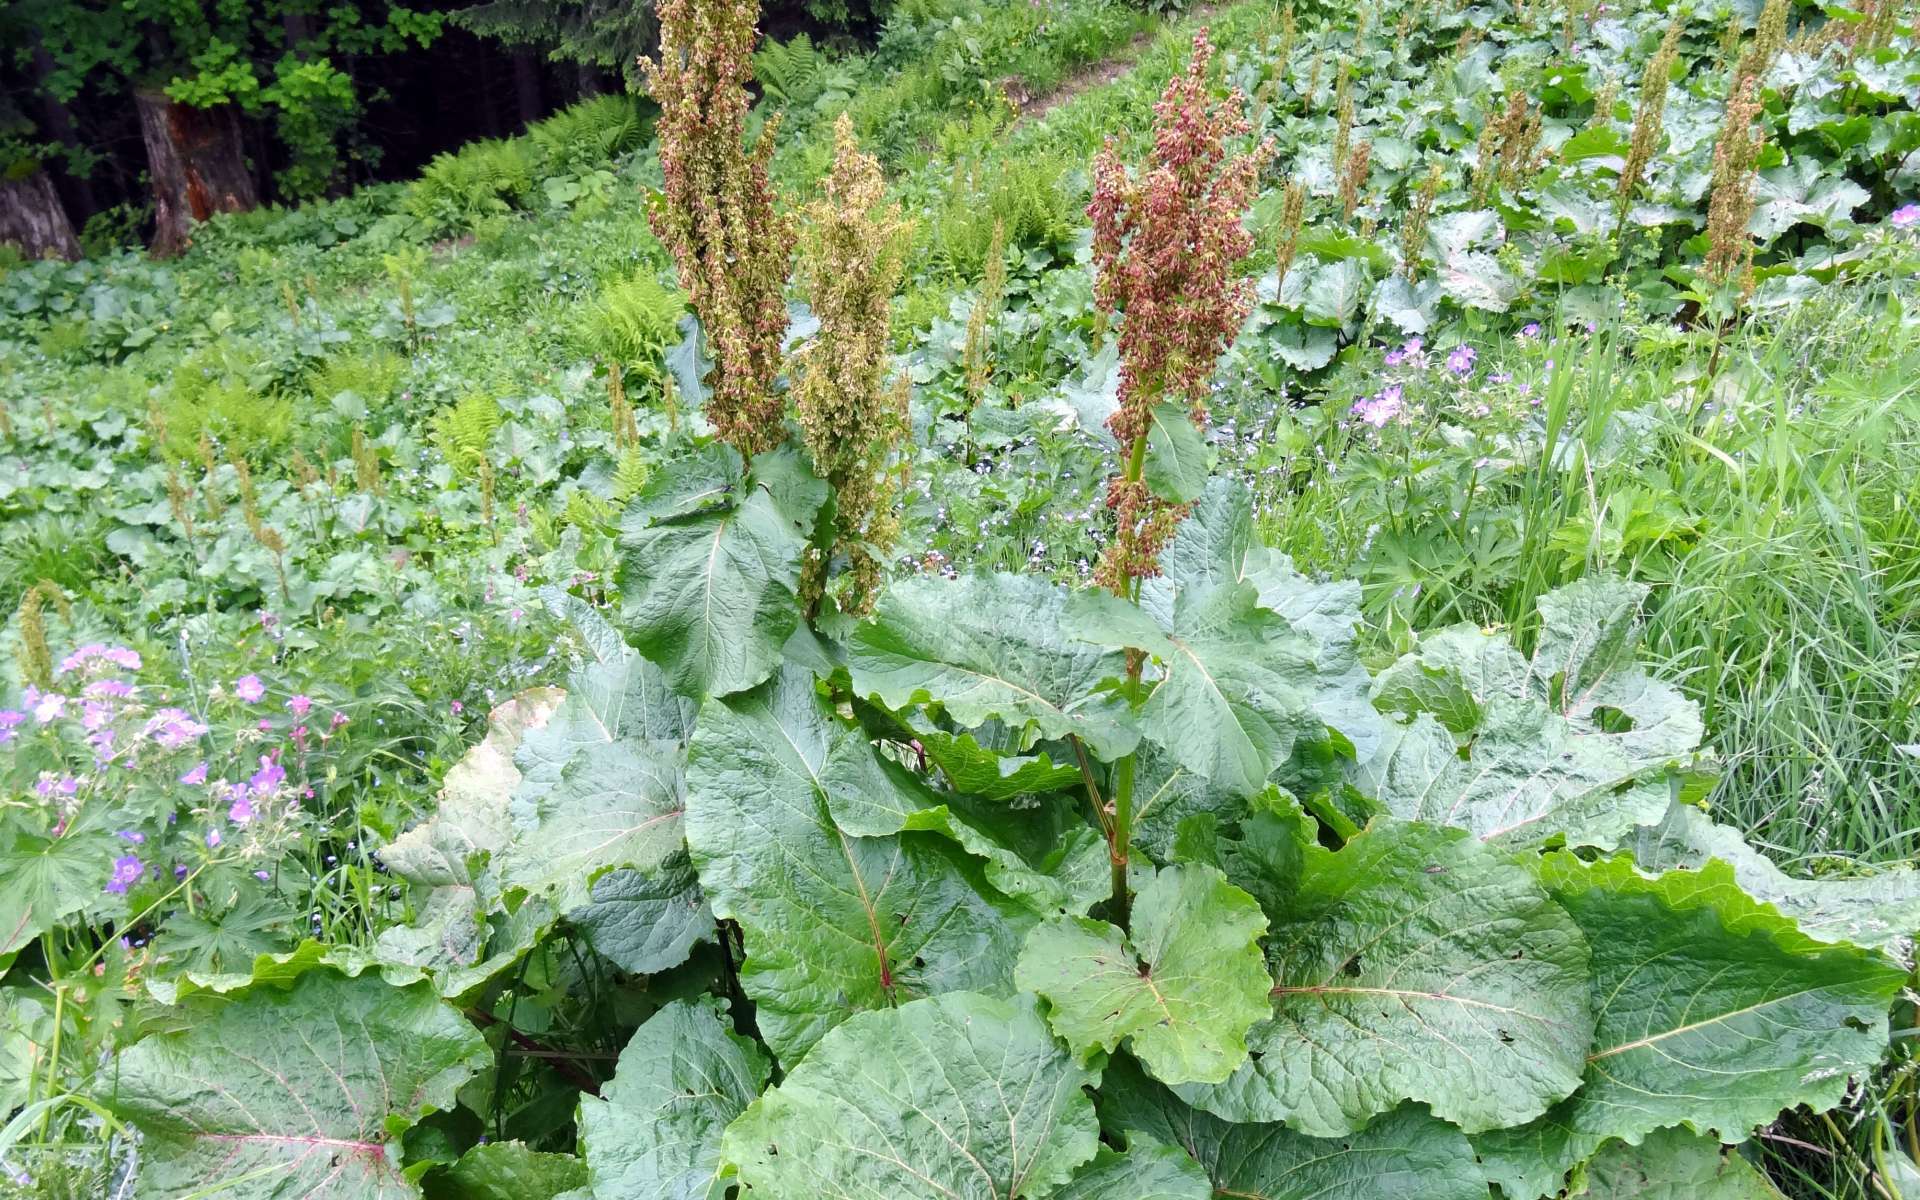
589	134
1449	925
1025	197
464	431
635	320
479	180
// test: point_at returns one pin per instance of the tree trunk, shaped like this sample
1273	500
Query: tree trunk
526	85
32	219
198	168
588	77
59	122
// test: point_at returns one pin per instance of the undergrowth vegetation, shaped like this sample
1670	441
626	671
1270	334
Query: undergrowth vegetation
1070	606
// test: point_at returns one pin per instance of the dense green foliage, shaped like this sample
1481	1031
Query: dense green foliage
429	772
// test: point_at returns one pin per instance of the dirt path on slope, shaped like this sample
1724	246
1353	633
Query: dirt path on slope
1102	73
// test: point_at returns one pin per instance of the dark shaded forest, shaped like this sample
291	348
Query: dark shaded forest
123	121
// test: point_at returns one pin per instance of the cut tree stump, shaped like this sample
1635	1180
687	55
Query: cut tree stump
198	168
31	217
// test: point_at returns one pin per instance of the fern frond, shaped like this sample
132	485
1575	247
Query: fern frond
791	72
634	320
463	431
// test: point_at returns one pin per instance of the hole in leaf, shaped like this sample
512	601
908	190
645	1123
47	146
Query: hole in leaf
1611	719
1351	968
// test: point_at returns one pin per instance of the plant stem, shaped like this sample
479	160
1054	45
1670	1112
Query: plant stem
1100	813
1120	834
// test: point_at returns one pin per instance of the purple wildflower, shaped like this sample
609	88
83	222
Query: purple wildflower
118	689
300	704
10	721
119	656
127	870
1407	352
270	776
134	836
48	707
262	876
1905	215
250	689
173	727
1530	330
242	810
1378	409
196	776
1460	362
213	839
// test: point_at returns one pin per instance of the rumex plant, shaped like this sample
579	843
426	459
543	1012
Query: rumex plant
1730	208
1648	116
717	213
851	419
1166	241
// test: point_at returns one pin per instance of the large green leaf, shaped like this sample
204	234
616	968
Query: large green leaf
1712	1011
471	817
1042	852
1880	910
616	696
1264	850
991	647
580	808
834	923
1178	458
955	1097
1414	964
1576	745
1334	293
1183	987
1166	795
46	879
462	940
1149	1170
618	806
654	1131
708	571
1234	683
506	1171
1399	1156
1216	547
987	762
1673	1164
646	923
290	1093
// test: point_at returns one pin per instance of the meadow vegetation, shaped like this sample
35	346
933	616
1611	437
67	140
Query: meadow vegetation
1087	603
